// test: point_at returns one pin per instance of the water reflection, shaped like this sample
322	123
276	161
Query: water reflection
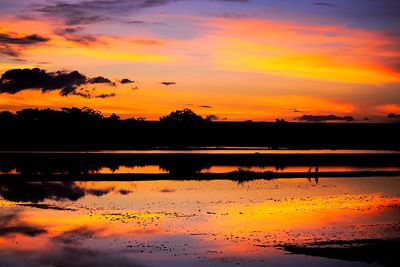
20	191
188	169
198	223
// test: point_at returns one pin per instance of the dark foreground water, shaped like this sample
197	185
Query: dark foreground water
201	223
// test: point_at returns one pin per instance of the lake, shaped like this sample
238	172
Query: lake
183	221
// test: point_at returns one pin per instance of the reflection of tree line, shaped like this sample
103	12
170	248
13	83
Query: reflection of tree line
76	164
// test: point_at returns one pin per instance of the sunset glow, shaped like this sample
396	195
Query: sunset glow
236	60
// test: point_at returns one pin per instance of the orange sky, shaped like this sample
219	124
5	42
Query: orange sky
237	61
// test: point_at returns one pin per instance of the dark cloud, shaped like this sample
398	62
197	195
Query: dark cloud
238	1
105	95
205	106
322	118
393	116
12	46
83	39
94	11
67	83
100	79
25	40
212	117
75	34
168	83
324	4
126	81
141	22
9	51
69	30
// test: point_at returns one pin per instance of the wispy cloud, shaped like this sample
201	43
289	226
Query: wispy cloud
324	4
12	44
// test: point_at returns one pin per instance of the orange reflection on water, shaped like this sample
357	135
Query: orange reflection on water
190	221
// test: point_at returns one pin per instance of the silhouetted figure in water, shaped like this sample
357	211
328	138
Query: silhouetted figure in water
309	175
316	175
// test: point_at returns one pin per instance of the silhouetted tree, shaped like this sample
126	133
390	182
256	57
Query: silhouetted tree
114	117
183	116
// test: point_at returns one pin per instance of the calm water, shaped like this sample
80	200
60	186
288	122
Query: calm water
217	150
191	223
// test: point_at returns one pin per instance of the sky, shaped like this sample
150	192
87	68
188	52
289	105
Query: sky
300	60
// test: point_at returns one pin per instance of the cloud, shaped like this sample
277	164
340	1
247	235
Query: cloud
212	117
67	83
126	81
100	79
238	1
74	34
205	106
105	95
147	42
25	40
393	116
168	83
8	51
94	11
322	118
234	15
324	4
12	45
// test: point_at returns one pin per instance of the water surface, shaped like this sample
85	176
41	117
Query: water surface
191	223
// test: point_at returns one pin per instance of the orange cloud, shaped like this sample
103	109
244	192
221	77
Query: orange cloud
389	108
332	53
